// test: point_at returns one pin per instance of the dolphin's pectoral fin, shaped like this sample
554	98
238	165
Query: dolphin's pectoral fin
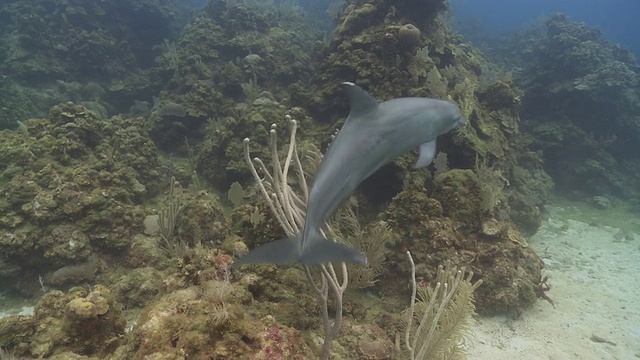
324	251
427	153
359	100
282	252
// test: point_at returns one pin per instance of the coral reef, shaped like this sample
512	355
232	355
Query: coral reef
84	321
379	56
132	202
510	271
581	97
72	185
218	73
59	50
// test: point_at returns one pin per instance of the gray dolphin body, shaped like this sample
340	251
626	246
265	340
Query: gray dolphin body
373	135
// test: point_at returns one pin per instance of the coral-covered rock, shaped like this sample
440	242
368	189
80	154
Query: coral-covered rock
495	251
16	331
76	189
577	79
83	322
201	321
371	341
279	342
203	220
458	192
138	287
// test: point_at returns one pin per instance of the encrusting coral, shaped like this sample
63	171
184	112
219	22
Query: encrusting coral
72	186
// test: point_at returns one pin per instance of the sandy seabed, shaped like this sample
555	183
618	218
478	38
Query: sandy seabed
593	260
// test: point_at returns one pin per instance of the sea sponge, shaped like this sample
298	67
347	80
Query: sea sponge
409	34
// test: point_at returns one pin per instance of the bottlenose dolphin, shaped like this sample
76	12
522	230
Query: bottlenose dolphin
373	135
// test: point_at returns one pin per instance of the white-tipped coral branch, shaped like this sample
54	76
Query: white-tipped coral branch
289	207
284	203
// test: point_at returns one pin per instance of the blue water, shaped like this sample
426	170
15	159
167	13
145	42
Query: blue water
618	19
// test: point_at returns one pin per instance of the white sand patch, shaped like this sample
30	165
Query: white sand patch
595	284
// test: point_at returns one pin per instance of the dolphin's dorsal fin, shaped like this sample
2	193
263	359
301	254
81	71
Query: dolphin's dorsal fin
360	101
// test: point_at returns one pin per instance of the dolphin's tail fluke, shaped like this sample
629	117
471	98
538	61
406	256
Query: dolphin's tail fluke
287	252
316	249
282	252
323	251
